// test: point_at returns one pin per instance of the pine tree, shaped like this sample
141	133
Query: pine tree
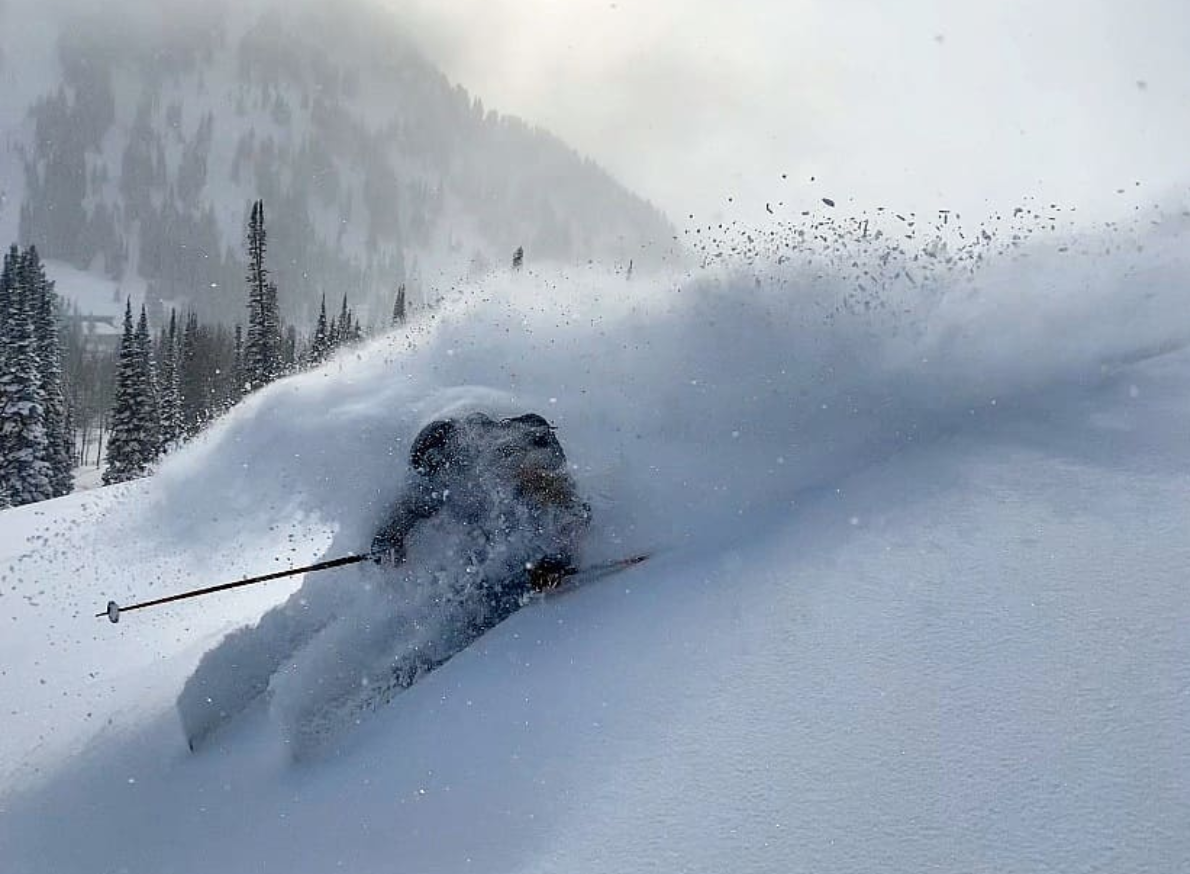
132	445
59	434
320	343
25	472
7	281
171	386
194	402
7	298
518	258
399	307
152	393
343	337
262	347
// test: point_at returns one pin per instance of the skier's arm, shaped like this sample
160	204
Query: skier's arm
389	542
571	519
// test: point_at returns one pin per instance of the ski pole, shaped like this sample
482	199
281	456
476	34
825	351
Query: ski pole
114	610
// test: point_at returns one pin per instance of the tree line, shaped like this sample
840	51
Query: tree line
59	392
170	388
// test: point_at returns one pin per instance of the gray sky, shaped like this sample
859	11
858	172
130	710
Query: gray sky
914	104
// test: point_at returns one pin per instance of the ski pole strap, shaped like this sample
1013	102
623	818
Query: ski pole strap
114	610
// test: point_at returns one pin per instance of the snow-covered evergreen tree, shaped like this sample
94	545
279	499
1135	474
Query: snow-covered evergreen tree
518	258
132	446
7	280
399	307
262	349
59	436
152	395
194	402
24	449
320	344
170	386
343	325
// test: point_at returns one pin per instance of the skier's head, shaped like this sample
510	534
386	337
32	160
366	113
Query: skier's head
435	447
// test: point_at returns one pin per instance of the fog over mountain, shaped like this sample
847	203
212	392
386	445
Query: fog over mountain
134	136
913	105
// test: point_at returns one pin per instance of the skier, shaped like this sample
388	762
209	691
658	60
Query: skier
489	515
506	485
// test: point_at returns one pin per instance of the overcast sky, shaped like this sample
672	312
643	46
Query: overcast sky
917	104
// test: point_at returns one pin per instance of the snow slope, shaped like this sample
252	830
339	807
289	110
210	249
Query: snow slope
922	602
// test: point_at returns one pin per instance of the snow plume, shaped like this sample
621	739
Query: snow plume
691	408
689	405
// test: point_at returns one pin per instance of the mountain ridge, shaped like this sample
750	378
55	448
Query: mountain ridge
135	138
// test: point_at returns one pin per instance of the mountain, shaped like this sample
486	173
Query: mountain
135	134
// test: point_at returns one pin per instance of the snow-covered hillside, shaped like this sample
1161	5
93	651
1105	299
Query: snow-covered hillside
921	600
134	136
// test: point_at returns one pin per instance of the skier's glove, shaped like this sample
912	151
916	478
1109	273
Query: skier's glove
388	555
548	573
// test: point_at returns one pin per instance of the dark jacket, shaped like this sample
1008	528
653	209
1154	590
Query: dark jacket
504	480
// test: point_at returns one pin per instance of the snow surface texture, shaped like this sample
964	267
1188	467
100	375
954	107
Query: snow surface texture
922	605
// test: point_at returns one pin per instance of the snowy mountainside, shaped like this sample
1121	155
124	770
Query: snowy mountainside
135	136
921	601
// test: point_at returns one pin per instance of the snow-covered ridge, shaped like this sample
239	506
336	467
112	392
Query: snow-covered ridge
910	555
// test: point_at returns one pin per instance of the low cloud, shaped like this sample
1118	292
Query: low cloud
921	104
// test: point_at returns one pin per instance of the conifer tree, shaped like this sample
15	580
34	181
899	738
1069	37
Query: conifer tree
344	326
59	434
135	441
194	403
262	352
171	386
7	299
123	451
7	280
320	343
25	473
518	258
399	307
152	393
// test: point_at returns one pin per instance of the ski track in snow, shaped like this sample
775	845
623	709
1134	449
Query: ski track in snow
922	604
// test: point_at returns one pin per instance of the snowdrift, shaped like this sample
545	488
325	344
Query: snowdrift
919	601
